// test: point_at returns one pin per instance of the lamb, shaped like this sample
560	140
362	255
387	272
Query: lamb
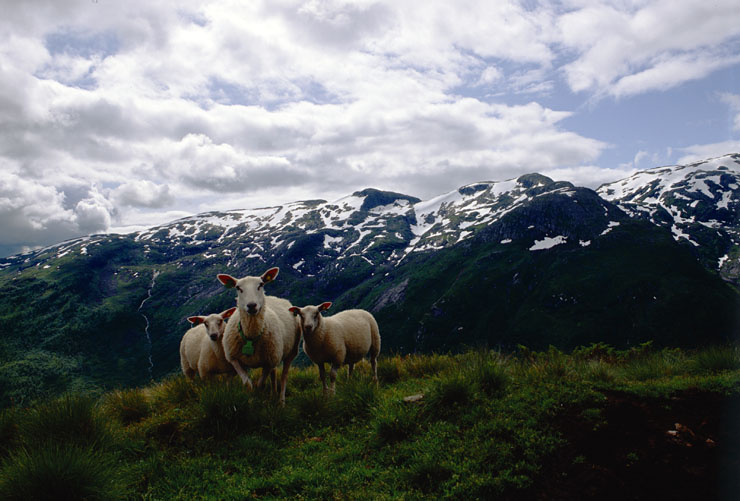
201	349
263	334
344	338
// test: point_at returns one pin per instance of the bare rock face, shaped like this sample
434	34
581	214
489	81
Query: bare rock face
393	295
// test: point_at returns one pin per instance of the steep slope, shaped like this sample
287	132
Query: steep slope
699	203
527	261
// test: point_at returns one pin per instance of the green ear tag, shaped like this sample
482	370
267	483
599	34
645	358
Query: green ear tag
248	348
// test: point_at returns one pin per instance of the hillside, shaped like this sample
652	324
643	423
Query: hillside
600	424
525	261
698	202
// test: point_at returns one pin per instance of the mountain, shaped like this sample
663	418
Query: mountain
525	261
698	202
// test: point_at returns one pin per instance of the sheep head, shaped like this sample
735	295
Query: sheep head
310	317
250	298
215	323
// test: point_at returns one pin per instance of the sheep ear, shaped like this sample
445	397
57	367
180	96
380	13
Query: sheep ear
226	314
294	310
228	281
324	306
270	275
196	320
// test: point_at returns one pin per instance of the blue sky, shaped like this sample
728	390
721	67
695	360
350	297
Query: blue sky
120	115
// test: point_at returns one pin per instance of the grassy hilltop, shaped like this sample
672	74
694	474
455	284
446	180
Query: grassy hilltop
638	423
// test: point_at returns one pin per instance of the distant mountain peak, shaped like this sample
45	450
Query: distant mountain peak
534	180
378	198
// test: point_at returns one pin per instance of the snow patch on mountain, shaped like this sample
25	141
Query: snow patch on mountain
548	243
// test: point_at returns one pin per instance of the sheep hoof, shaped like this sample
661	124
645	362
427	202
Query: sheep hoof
413	398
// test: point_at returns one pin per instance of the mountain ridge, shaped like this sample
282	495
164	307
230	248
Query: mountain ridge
523	261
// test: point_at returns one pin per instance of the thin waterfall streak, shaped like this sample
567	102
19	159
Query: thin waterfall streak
146	327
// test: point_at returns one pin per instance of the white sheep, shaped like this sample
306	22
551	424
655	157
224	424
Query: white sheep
263	334
344	338
201	349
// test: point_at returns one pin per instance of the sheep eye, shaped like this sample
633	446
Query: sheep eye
260	286
239	289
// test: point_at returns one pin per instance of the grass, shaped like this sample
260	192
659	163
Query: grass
487	426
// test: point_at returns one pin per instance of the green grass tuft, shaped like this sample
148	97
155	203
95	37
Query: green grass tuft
390	369
60	472
127	406
717	359
395	423
8	429
354	399
226	408
70	419
448	396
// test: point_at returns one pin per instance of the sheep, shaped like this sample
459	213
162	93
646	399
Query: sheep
201	349
344	338
263	334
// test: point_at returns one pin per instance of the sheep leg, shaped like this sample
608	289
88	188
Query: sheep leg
273	380
374	365
262	378
242	374
284	381
350	368
322	376
333	377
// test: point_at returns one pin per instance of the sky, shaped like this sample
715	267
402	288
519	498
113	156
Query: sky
118	115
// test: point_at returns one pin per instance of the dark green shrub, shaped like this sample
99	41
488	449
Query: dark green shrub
596	351
60	472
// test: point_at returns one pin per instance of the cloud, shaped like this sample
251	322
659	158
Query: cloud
32	214
143	193
670	73
117	113
590	176
699	152
646	46
733	101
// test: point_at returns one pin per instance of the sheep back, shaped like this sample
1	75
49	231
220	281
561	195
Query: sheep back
347	337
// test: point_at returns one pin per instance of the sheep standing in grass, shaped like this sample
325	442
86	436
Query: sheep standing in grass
263	334
201	349
344	338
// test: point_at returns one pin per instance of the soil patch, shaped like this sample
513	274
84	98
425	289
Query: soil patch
683	447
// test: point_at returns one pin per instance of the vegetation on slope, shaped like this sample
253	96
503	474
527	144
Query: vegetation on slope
597	422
